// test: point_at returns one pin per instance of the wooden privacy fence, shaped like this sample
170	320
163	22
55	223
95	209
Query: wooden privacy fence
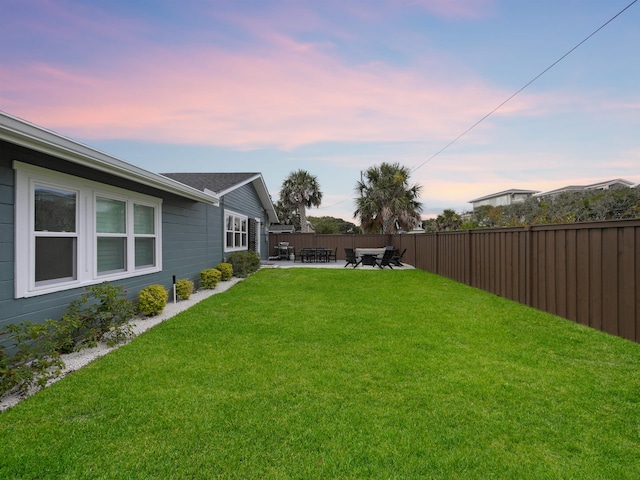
585	272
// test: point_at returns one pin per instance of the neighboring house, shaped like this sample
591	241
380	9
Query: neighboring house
245	204
506	197
277	228
72	216
606	185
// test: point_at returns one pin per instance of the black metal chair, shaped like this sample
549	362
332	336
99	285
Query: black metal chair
332	254
350	256
397	257
385	261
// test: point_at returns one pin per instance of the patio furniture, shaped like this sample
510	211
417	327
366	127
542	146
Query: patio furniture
361	252
307	255
350	256
397	257
332	254
322	254
315	254
369	259
385	261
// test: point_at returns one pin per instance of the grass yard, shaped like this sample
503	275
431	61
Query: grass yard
311	373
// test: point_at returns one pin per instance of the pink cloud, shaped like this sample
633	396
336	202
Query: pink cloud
285	96
456	8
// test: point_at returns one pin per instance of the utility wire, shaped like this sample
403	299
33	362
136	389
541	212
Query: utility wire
521	89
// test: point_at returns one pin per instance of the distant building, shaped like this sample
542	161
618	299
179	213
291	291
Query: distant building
507	197
607	185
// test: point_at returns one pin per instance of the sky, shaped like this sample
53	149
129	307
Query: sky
336	87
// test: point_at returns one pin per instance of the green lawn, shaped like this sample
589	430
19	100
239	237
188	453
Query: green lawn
311	373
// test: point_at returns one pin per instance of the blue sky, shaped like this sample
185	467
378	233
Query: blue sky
335	87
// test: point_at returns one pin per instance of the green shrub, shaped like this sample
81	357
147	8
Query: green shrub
184	289
33	361
100	314
34	358
209	278
226	269
244	263
152	300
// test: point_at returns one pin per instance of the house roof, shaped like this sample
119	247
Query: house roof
221	184
29	135
512	191
594	186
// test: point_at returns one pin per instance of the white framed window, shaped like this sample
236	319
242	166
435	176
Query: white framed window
236	231
73	232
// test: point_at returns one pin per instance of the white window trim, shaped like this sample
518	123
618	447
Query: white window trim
86	263
228	213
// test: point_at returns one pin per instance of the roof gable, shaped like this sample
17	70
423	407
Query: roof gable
513	191
223	183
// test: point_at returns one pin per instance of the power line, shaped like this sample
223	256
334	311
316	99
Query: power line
521	89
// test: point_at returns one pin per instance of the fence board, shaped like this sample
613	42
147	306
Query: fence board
627	288
583	277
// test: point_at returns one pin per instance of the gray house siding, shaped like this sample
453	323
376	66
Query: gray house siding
191	238
245	200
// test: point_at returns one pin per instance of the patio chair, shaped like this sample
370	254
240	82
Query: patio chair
350	256
385	261
397	257
332	254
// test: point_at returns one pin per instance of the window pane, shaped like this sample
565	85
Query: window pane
55	258
110	216
237	240
236	224
111	254
244	226
145	252
55	210
229	223
143	220
229	239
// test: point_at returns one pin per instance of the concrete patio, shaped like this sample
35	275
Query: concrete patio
337	264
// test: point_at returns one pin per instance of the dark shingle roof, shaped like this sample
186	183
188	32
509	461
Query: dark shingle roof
216	182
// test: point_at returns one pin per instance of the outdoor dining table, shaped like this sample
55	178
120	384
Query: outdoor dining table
315	254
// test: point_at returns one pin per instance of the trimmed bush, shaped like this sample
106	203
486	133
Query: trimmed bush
244	263
226	269
184	288
152	300
209	278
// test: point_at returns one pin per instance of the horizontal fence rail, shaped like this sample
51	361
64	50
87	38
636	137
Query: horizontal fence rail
585	272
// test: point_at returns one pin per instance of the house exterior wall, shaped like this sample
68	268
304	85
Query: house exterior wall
191	238
245	200
503	200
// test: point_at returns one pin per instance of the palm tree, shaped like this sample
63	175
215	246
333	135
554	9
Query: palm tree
301	190
448	220
386	202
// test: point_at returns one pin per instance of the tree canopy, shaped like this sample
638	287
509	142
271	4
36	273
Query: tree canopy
386	201
300	190
332	225
568	207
